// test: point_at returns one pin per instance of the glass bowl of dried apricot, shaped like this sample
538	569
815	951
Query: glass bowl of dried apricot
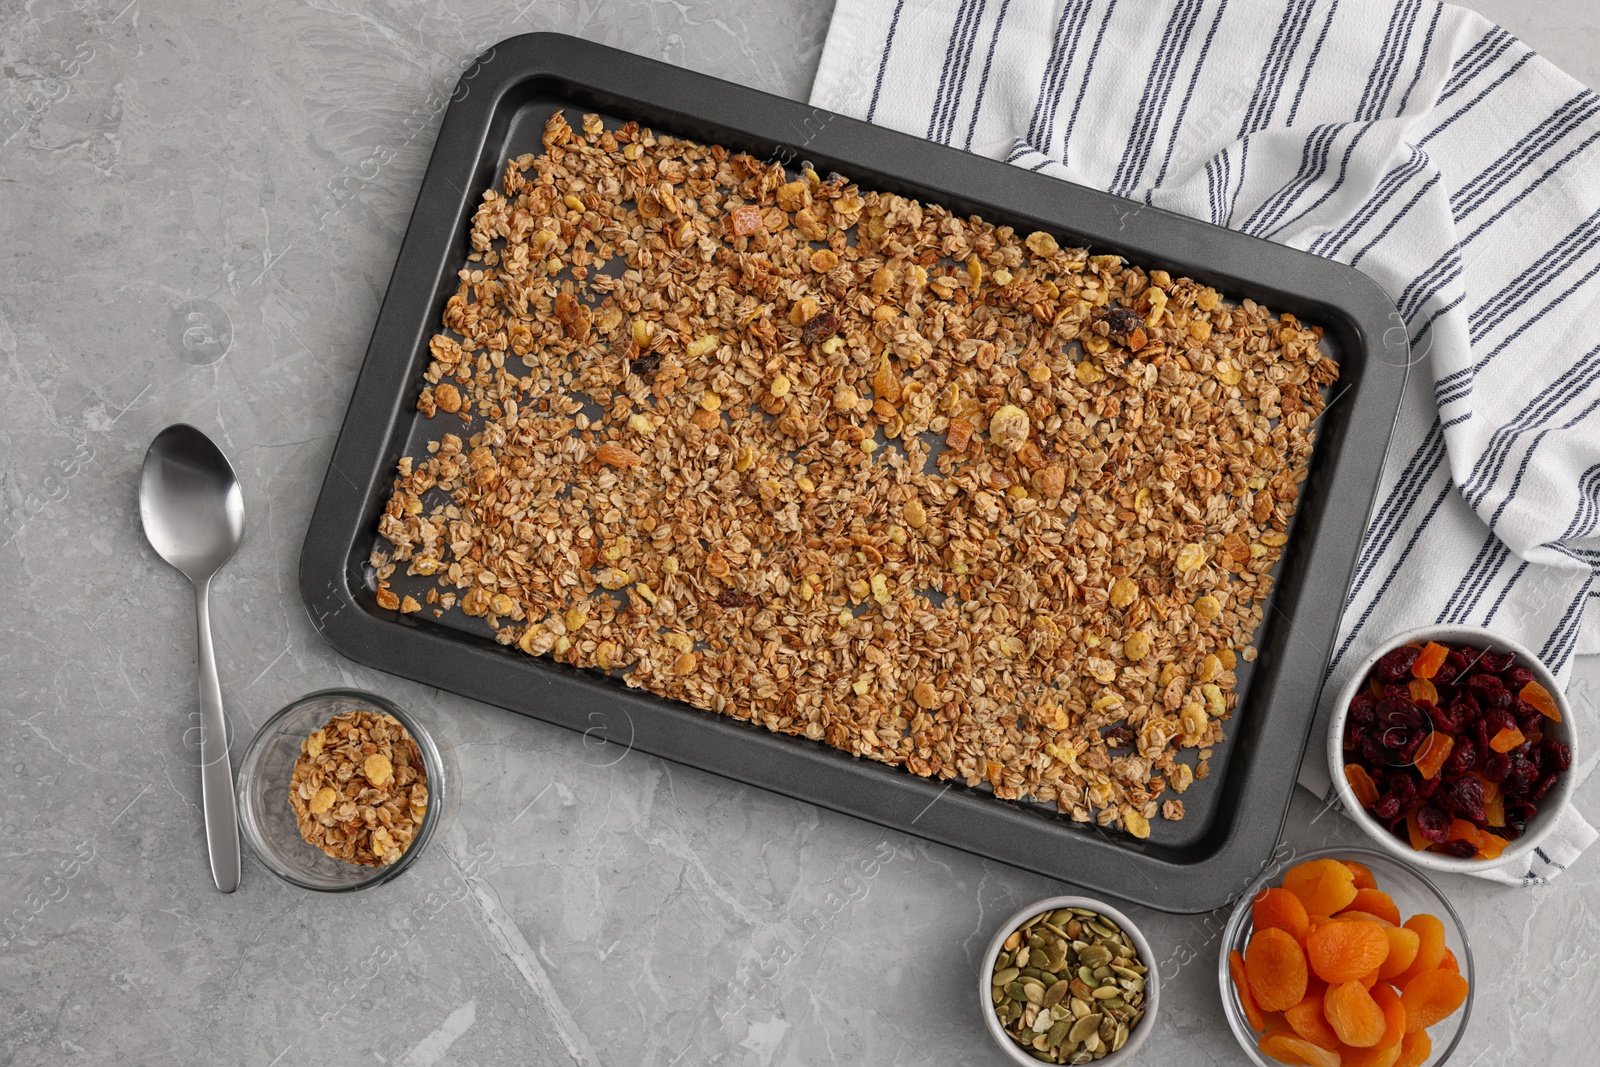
1451	747
1346	958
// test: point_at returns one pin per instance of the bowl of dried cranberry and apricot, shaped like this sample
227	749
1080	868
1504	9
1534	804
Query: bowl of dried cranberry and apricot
1452	748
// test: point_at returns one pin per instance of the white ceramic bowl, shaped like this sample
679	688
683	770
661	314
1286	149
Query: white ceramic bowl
1550	808
1152	989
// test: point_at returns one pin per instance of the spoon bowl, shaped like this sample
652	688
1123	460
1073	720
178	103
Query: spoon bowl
193	514
190	502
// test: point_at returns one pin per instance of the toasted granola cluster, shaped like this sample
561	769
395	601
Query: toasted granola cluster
360	790
849	466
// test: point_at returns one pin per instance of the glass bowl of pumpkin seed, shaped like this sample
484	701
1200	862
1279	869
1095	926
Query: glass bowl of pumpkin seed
1068	980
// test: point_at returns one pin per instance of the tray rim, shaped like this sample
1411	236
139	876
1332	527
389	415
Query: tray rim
343	610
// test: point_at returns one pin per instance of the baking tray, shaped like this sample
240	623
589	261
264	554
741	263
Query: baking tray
1234	816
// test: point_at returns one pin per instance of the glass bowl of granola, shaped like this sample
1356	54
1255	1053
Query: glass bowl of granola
340	791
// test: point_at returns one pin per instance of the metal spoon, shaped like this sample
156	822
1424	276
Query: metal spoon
193	514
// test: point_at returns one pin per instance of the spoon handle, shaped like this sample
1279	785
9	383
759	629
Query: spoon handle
216	771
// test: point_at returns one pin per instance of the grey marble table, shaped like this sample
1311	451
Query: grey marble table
199	208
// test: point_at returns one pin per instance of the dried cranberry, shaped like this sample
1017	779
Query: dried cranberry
1522	809
1363	709
1498	662
1403	787
1480	733
1387	807
1407	753
1513	828
1454	714
1393	666
1463	757
1433	824
1521	776
1483	684
1459	849
1497	719
1496	765
1527	716
1452	667
1398	690
1352	735
1546	783
819	327
1559	755
1372	753
1462	797
1498	698
1427	787
1518	677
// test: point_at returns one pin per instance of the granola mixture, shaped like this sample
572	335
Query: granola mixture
360	791
841	463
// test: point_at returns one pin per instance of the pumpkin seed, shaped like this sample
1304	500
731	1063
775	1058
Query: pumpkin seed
1095	956
1021	959
1057	1033
1005	977
1079	1008
1123	972
1103	993
1042	1022
1030	972
1035	992
1015	991
1084	1027
1053	995
1081	1058
1093	1043
1121	1038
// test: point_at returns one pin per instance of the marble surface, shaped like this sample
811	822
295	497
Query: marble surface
199	208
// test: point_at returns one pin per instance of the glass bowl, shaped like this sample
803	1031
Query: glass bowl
1412	893
267	822
1136	1037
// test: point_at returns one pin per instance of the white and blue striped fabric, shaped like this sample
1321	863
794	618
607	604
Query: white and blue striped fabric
1413	140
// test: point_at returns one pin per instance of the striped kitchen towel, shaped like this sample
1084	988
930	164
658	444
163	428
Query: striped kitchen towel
1413	140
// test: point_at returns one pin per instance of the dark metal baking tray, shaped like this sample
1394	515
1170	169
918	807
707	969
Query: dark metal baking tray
1234	817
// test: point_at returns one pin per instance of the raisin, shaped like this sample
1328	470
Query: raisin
1119	737
1127	326
1396	665
733	598
646	365
1433	824
819	327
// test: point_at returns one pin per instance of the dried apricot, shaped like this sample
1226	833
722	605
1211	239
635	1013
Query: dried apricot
1297	1051
1507	739
1350	915
1394	1013
1375	902
1537	695
1346	951
1282	910
1435	750
1431	996
1421	689
1415	1050
1276	969
1362	875
1354	1015
1309	1022
1429	660
1430	950
1323	886
1376	1056
1361	784
1241	986
1490	846
1414	833
1403	945
1448	962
